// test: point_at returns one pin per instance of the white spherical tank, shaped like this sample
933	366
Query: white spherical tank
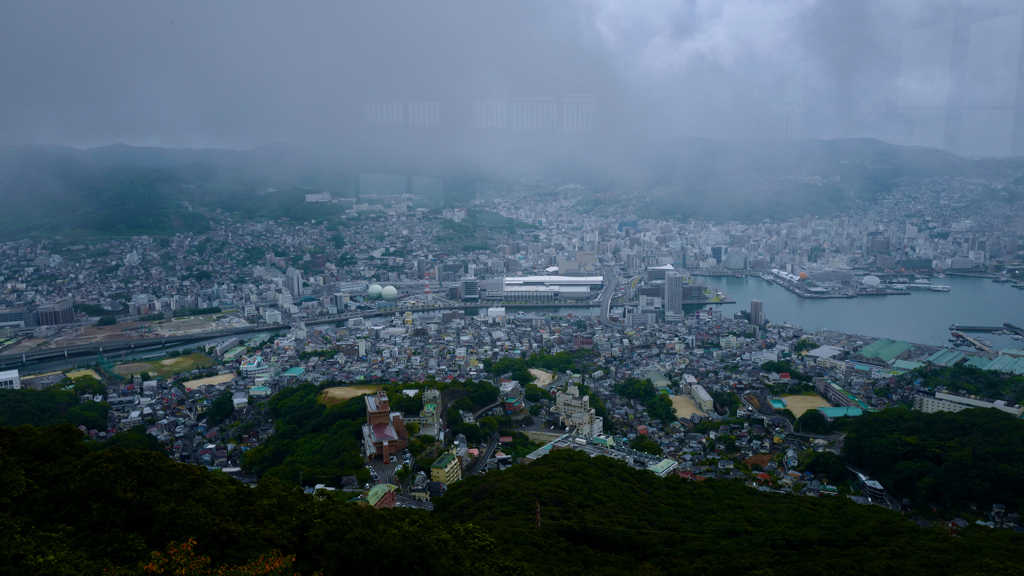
374	291
871	281
389	293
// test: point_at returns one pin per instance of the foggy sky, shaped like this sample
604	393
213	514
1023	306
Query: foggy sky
240	74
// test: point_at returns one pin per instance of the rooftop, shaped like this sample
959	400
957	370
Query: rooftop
443	462
884	349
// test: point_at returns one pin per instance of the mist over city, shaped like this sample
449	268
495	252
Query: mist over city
511	287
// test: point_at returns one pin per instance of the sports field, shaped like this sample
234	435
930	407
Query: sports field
332	396
78	373
543	377
685	407
166	366
218	379
798	404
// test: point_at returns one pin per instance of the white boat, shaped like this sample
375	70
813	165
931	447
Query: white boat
938	288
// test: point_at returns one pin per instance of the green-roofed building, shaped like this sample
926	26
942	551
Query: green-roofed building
906	365
1005	364
446	469
885	351
833	412
382	496
294	372
664	467
979	362
945	357
658	379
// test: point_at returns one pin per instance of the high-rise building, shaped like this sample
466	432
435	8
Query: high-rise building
470	288
674	284
293	281
56	314
757	312
679	292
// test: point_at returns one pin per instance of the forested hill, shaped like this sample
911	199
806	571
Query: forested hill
953	461
599	516
67	509
48	191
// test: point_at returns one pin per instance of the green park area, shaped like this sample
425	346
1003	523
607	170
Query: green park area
164	367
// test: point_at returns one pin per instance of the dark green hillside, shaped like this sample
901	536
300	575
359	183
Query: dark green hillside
68	509
952	460
50	407
600	517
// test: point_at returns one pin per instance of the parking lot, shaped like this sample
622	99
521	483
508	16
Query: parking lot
385	471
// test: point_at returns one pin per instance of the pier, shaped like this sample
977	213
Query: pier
956	327
974	342
1006	327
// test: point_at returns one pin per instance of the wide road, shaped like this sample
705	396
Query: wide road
44	354
611	285
485	456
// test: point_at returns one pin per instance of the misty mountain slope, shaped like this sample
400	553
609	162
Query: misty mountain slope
47	192
120	189
123	154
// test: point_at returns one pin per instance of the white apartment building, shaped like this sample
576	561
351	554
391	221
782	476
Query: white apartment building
945	402
10	380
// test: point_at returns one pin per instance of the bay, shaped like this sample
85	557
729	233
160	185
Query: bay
923	317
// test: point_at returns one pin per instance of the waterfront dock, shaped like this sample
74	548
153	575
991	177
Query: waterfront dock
973	342
812	295
958	328
1006	327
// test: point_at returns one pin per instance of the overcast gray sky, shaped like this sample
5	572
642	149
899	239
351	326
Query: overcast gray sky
242	73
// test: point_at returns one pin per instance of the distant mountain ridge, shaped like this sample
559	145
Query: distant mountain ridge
61	190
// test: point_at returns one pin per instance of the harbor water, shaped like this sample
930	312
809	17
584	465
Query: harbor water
923	317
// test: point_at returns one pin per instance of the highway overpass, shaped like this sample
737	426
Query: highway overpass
56	353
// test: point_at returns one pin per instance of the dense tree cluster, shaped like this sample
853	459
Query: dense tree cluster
69	510
804	344
658	405
52	406
969	380
220	410
644	444
950	459
598	516
814	422
635	389
785	367
727	401
320	441
135	438
828	463
560	362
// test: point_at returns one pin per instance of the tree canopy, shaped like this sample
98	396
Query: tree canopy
320	441
69	510
951	459
51	406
